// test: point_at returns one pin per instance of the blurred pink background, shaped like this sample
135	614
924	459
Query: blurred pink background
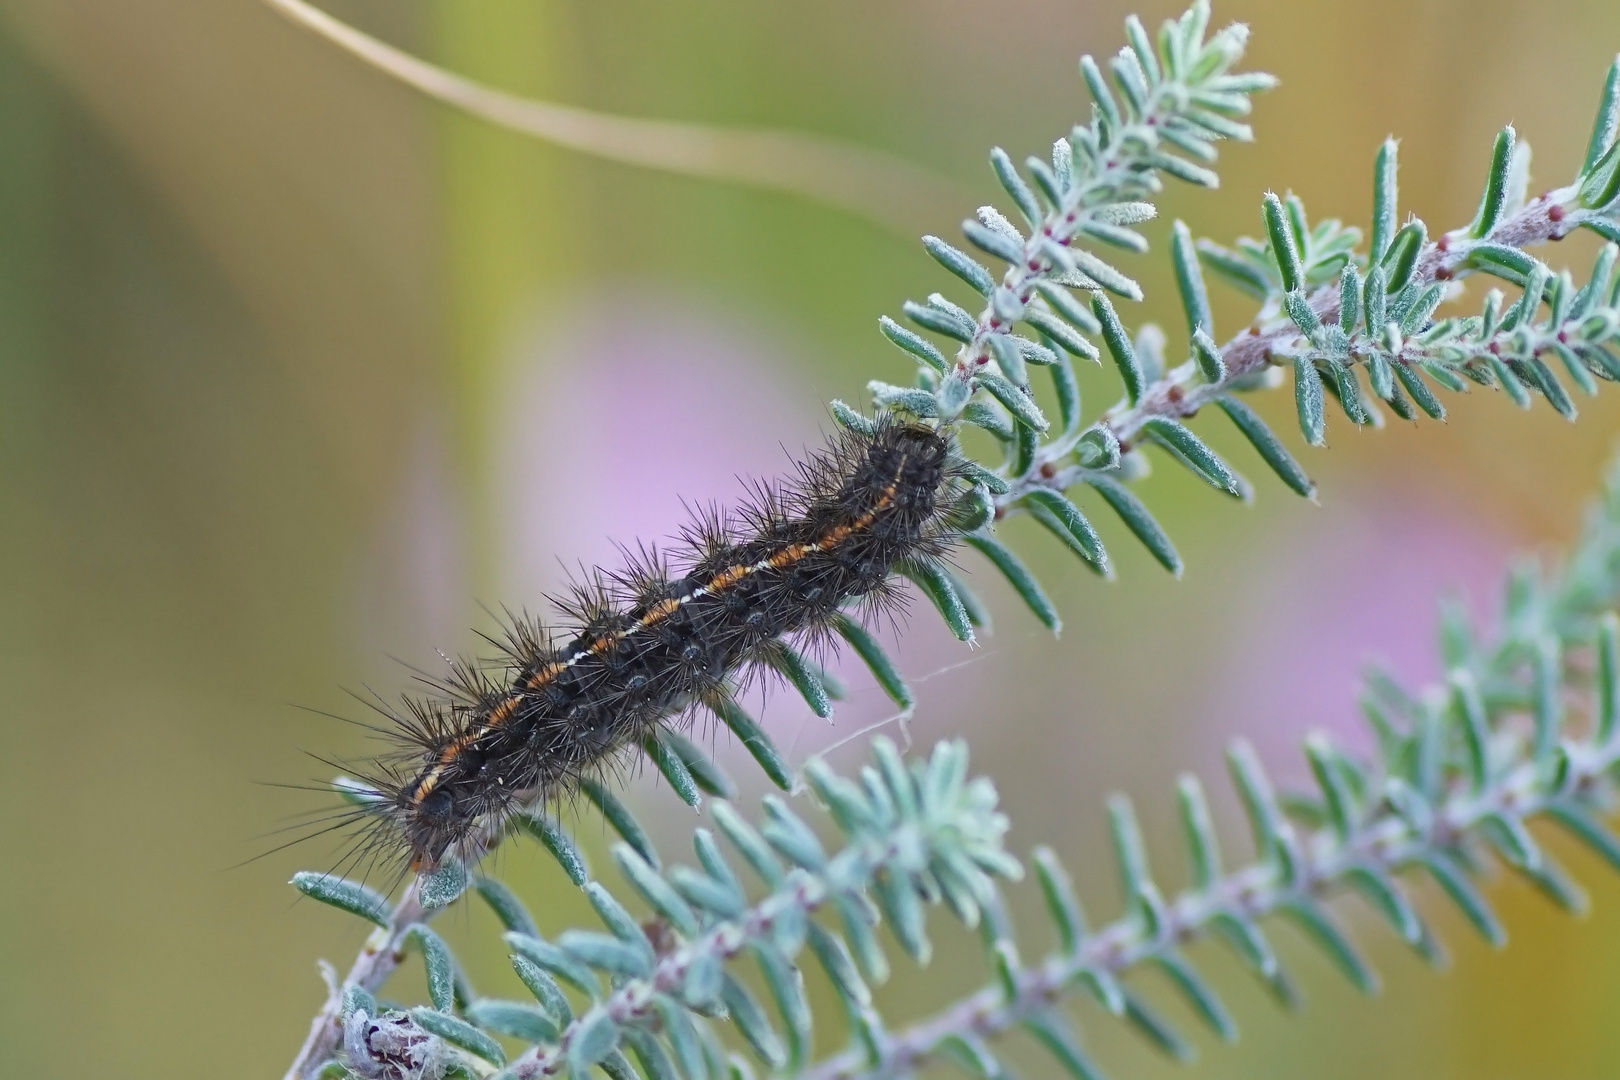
299	370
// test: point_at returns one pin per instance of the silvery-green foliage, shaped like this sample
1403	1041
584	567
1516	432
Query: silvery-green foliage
1352	325
913	835
1158	110
1524	726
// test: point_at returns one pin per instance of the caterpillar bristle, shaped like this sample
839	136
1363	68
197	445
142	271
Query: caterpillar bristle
649	643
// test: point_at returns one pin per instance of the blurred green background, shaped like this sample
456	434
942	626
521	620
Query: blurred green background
297	369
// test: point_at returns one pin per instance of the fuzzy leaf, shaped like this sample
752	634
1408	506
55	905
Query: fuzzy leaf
543	987
1019	577
444	885
1016	401
1015	186
1319	926
708	775
1138	520
556	840
961	264
931	578
1270	448
616	814
1120	348
440	966
1496	183
754	740
553	960
1209	468
1308	400
916	345
751	1022
458	1032
595	1038
1284	247
515	1018
1200	831
1156	1029
672	767
1057	1035
1073	522
1199	995
1384	201
350	896
1190	280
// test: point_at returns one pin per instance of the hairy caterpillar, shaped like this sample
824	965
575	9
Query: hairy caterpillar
649	644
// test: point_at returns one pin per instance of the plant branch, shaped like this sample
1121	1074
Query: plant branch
850	872
1404	822
925	817
1387	842
383	951
1274	337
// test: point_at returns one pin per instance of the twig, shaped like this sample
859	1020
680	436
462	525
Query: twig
1390	839
379	956
880	187
1180	393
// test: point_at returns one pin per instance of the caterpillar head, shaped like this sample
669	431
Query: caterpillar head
443	787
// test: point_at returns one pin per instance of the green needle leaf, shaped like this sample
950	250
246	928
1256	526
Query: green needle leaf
1209	468
1496	183
877	661
1308	400
1156	1029
1607	120
350	896
1401	258
518	1019
595	1038
1138	520
506	906
556	840
1190	280
1119	347
1056	1034
961	264
673	768
1267	444
1015	400
1320	927
806	679
916	345
616	814
1017	575
705	773
754	740
1384	199
458	1032
1014	184
444	885
937	586
1073	523
1283	247
439	964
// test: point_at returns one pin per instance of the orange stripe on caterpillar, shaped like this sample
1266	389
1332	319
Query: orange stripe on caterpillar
655	639
714	587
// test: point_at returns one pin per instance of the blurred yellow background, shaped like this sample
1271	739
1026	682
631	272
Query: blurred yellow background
297	369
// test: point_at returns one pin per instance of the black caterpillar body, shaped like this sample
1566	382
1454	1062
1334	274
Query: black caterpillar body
651	643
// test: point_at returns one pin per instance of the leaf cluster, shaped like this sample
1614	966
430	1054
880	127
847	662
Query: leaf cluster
1352	323
1522	728
914	834
1525	726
